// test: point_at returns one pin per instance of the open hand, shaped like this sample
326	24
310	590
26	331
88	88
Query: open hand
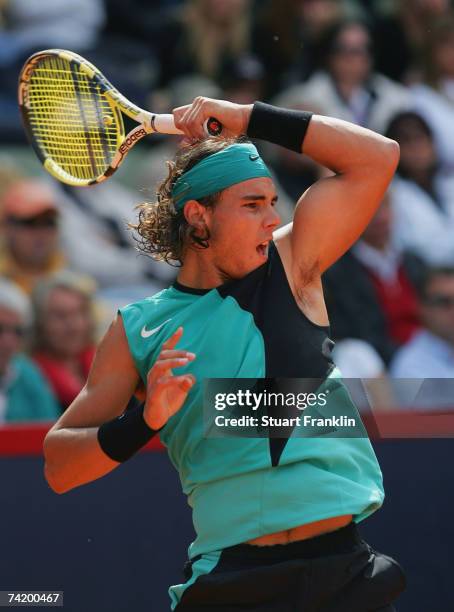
166	393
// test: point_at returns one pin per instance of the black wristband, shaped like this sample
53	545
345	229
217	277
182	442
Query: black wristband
122	437
280	126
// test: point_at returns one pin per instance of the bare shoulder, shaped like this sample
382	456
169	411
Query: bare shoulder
112	353
304	278
112	381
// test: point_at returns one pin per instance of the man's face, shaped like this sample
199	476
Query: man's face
350	62
66	324
417	151
437	309
241	226
32	241
11	332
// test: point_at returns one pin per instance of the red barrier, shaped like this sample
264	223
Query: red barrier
382	425
27	439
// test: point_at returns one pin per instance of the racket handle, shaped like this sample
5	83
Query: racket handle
165	124
213	127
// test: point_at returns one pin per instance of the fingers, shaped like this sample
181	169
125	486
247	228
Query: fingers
174	354
190	119
168	396
183	382
169	352
169	358
162	365
171	342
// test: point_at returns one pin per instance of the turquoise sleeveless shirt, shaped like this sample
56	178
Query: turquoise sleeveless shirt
242	488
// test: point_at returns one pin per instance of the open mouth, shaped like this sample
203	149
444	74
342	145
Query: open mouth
262	249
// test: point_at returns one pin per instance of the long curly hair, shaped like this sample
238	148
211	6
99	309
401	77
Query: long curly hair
162	231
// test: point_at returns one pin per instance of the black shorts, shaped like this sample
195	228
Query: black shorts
334	572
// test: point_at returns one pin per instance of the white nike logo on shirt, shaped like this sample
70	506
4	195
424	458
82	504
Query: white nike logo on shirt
146	333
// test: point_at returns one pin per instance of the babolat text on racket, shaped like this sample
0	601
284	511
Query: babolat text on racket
73	118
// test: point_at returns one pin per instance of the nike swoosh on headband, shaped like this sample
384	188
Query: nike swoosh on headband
146	333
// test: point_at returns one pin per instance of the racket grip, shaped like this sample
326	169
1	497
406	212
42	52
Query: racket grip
165	124
213	127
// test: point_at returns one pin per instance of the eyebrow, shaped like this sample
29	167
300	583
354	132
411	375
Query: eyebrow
259	197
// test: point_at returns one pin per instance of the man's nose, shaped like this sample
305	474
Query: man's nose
273	219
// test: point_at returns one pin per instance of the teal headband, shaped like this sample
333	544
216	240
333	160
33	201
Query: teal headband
234	164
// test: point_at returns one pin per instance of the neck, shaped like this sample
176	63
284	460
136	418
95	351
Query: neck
199	272
424	179
347	90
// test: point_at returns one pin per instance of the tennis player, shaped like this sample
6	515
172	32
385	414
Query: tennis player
275	518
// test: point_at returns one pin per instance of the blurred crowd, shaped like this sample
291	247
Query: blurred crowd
68	259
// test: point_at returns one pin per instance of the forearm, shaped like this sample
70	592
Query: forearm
344	147
74	457
338	145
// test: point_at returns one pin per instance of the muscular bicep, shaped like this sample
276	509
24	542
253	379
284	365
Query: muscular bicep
112	381
331	215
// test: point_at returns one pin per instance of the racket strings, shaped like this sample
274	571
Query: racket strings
72	121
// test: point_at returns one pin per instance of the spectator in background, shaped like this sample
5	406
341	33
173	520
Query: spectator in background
422	195
50	226
364	372
245	82
347	87
64	331
202	37
429	356
24	394
31	26
29	219
97	242
286	37
400	36
127	40
371	291
434	98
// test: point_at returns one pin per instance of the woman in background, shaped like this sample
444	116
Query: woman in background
422	194
64	333
434	96
24	393
202	37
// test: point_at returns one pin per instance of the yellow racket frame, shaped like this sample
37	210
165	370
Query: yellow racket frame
73	117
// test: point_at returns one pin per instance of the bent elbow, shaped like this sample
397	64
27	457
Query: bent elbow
384	160
54	481
394	151
391	154
51	472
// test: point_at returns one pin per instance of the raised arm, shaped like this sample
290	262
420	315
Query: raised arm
332	213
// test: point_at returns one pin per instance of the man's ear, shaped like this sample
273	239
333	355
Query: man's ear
195	214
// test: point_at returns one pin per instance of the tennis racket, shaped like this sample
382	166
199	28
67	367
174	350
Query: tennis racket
74	118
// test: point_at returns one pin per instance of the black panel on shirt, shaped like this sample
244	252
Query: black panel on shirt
294	346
